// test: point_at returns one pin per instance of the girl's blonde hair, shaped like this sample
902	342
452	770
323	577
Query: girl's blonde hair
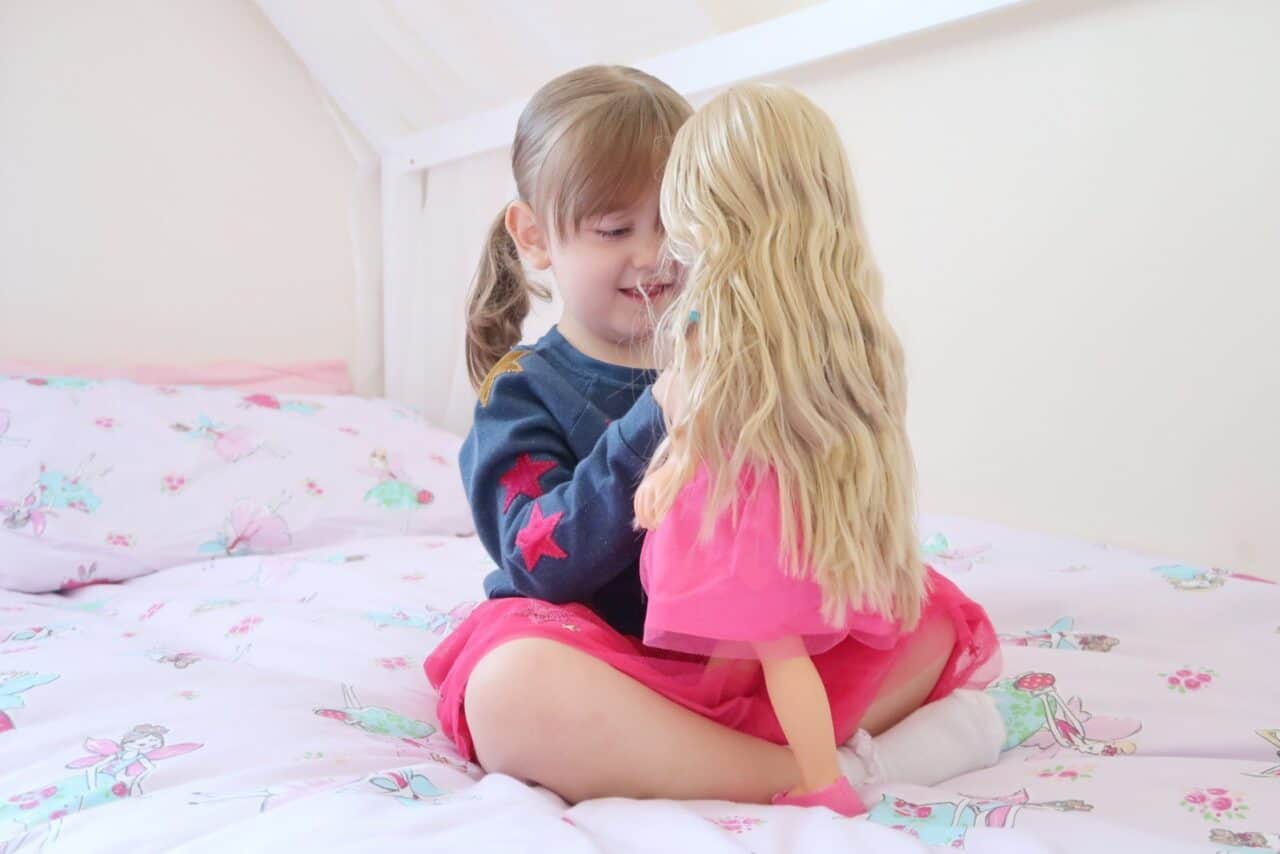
589	142
791	364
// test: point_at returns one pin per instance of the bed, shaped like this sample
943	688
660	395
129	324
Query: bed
217	605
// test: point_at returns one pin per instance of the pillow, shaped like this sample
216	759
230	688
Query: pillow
107	480
323	377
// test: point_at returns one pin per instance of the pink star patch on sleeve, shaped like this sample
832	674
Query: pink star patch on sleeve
535	540
522	479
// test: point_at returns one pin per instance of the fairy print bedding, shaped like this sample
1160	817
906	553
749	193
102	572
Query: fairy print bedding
108	480
245	702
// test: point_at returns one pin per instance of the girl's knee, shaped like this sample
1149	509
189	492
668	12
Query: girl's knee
512	703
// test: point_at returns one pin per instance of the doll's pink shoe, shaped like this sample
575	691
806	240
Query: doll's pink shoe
839	797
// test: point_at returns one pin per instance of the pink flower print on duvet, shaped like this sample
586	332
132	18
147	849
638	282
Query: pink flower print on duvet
249	528
244	627
172	484
229	443
1189	680
1215	804
1067	772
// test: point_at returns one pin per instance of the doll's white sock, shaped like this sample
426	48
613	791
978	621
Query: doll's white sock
960	733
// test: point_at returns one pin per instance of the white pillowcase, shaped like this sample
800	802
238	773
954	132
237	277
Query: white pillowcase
107	480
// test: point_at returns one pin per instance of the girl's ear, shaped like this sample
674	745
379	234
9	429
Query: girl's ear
530	240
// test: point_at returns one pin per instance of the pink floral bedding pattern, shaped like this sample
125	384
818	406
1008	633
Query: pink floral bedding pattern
107	480
249	702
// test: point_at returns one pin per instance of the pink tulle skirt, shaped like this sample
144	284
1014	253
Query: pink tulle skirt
732	693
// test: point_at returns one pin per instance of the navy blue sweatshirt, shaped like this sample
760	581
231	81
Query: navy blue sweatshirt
559	445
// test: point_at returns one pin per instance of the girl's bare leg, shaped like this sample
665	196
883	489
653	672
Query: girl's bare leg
550	714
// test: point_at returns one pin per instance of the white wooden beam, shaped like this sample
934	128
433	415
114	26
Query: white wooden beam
810	35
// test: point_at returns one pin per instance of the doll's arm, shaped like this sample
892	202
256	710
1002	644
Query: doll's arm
800	702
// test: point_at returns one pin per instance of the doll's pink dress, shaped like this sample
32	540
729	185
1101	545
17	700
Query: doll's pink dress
727	595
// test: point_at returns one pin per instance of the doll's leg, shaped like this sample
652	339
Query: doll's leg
548	713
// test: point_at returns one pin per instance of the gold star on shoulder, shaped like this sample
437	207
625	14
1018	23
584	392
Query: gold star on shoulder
508	364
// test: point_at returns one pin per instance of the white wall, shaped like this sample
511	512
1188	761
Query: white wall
1074	203
1075	208
172	188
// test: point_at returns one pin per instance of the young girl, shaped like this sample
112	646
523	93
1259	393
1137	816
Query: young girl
548	680
782	505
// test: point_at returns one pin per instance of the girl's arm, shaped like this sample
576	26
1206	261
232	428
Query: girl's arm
800	702
559	528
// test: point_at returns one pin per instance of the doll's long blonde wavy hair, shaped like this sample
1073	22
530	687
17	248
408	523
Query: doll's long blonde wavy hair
791	364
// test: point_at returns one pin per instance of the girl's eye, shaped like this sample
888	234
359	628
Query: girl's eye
613	233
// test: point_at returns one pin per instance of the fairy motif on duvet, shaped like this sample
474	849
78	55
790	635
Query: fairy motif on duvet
1272	737
1230	841
270	401
13	684
229	442
27	638
275	796
376	720
52	491
1183	577
111	771
5	438
249	528
942	556
408	785
429	620
947	822
1060	635
64	383
1036	717
395	490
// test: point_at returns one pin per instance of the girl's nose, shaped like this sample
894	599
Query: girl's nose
648	252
